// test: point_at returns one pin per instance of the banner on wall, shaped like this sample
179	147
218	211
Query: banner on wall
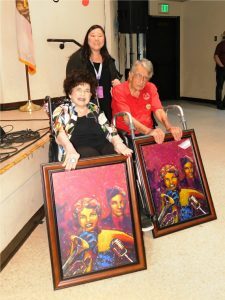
24	35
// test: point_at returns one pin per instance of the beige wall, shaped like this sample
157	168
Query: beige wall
200	21
64	19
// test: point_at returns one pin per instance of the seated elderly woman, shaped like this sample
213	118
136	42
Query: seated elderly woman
81	129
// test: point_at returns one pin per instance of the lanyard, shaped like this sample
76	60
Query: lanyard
98	74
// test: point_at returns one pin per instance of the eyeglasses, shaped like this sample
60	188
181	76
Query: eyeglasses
141	77
81	91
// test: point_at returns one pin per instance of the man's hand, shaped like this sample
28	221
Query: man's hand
158	135
176	132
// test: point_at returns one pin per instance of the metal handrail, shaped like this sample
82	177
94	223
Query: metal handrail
63	41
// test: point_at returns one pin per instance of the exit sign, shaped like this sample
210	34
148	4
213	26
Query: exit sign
164	8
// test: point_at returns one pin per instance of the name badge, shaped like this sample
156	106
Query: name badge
99	91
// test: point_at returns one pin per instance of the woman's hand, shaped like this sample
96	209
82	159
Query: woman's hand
121	148
72	156
71	159
115	82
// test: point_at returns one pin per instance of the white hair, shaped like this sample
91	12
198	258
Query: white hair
147	64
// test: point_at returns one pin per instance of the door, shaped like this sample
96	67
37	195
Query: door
163	49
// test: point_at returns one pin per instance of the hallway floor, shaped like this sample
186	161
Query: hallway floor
185	265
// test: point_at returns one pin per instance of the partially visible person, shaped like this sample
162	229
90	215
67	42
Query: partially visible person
140	98
219	57
190	180
81	129
95	58
117	219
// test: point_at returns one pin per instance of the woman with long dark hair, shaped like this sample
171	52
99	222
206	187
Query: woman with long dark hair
93	56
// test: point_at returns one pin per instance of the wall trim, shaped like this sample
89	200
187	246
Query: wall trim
199	100
16	105
21	237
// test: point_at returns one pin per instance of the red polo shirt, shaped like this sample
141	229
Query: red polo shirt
140	108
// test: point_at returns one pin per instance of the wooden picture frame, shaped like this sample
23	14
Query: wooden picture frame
85	242
175	183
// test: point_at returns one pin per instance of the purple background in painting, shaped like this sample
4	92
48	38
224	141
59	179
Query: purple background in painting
156	156
92	182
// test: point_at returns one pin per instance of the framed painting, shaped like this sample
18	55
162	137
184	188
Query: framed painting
175	183
92	220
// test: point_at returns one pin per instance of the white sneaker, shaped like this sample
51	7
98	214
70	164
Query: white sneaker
146	223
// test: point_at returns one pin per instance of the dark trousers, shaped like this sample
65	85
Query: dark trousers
86	151
220	78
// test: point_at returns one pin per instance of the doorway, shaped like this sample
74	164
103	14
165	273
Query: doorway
163	49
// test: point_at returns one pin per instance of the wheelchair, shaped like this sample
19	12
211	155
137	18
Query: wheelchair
141	192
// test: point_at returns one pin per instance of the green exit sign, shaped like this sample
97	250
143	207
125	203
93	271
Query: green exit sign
164	8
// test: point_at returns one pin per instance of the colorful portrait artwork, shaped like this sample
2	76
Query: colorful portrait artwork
174	180
94	219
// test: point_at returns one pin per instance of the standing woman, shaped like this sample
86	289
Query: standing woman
93	56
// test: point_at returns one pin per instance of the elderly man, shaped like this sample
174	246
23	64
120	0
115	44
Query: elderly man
140	98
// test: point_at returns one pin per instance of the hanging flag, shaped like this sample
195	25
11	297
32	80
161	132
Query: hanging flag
24	35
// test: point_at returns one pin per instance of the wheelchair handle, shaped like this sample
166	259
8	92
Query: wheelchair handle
131	124
49	101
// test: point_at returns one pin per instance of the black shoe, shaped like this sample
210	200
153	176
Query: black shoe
146	223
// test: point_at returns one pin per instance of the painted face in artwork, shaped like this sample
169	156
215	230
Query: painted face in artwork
171	181
88	219
96	39
189	170
81	95
117	204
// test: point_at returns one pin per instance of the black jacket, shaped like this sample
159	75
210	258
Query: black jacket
77	62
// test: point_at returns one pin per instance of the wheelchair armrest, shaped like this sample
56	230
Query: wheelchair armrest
123	135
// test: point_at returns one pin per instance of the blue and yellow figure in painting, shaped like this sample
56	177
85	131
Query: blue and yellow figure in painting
93	248
177	204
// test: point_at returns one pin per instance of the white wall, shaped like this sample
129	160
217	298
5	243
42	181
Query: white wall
64	19
111	28
1	92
